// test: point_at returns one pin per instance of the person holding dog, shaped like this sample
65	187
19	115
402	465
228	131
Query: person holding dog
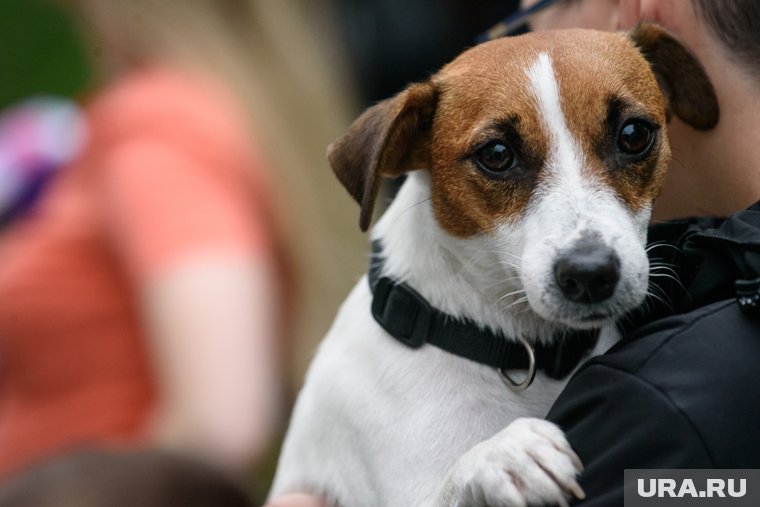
678	391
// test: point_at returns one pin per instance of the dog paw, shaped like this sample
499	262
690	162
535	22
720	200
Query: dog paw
528	463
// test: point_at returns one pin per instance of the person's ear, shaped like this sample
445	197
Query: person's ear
684	83
388	139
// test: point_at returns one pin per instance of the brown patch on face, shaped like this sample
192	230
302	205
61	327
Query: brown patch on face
604	83
637	180
485	96
488	87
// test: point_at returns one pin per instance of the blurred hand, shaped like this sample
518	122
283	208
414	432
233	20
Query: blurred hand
296	500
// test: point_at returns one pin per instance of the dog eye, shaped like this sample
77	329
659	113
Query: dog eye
635	137
495	157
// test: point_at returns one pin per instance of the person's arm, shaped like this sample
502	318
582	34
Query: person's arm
615	420
204	281
211	323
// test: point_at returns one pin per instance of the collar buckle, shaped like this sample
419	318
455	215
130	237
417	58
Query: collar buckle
402	312
528	380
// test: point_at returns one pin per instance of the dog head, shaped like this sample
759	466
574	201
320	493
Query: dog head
550	148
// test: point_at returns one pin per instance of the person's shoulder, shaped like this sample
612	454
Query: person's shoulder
165	102
717	336
701	366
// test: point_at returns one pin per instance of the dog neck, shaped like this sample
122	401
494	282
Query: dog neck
461	277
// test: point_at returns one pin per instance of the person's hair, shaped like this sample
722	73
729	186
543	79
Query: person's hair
281	59
736	23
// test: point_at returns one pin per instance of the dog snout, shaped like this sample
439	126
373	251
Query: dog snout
588	273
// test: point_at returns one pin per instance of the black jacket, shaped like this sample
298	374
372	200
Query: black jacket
679	391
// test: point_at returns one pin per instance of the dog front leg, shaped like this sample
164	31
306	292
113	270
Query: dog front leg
528	463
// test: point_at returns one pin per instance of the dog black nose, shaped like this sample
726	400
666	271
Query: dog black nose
587	273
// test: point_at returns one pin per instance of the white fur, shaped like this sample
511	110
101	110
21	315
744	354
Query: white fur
510	469
571	203
378	424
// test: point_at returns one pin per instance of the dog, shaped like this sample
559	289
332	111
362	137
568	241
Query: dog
532	165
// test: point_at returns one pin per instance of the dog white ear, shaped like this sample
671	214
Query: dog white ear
684	83
388	139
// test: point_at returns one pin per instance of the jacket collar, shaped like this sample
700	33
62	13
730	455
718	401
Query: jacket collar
699	261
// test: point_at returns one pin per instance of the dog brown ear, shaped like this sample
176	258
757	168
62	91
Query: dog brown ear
684	83
388	139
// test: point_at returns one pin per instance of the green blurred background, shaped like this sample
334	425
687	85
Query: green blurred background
40	52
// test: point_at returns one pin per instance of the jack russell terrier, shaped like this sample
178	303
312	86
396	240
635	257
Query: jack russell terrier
532	166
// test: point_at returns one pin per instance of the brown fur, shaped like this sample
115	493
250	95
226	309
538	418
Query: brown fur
684	82
485	94
387	139
628	82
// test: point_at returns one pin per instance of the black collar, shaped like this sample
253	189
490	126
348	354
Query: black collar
409	318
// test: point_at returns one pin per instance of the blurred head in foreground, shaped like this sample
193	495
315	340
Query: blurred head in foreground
121	479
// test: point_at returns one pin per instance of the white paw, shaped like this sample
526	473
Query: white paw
528	463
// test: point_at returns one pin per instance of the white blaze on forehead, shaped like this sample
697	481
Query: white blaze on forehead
567	204
565	157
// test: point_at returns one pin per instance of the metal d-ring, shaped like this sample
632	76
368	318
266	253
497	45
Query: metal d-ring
528	380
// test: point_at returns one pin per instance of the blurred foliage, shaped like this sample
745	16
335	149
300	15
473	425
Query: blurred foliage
40	51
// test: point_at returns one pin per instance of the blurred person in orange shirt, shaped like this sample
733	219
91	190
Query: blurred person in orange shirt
144	293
